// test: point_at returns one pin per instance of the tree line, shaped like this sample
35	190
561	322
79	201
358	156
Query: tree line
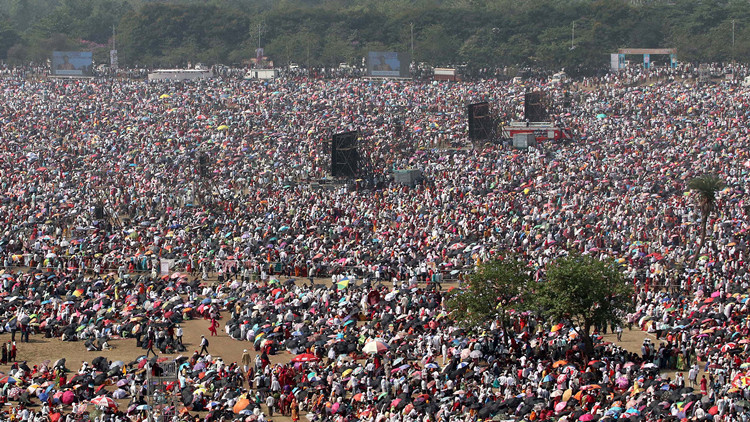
575	34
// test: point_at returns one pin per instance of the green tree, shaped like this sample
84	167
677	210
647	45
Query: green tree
492	290
169	34
435	45
585	291
705	188
8	38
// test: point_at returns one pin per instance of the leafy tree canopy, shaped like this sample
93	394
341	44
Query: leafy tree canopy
494	288
474	32
585	291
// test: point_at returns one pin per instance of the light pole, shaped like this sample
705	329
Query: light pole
411	25
573	36
732	41
260	28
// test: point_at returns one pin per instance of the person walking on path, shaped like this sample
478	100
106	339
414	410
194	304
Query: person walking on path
693	375
295	410
150	347
204	345
212	328
246	361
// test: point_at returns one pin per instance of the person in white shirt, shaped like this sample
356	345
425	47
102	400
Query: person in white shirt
270	401
178	334
693	375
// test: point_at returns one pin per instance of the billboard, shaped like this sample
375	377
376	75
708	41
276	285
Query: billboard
71	63
388	64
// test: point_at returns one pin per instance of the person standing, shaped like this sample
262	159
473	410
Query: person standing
246	360
693	375
270	401
212	328
295	410
178	334
204	345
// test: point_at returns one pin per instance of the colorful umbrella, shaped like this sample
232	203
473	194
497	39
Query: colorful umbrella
305	357
375	347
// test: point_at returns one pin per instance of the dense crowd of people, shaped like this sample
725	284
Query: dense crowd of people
121	199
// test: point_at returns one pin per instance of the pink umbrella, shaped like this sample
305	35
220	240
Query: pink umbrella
560	406
716	294
622	382
68	397
586	417
14	393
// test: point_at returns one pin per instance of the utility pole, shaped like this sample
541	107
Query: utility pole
259	50
113	62
411	25
732	44
573	36
260	30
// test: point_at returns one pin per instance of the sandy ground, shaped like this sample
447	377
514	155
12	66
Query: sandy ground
40	349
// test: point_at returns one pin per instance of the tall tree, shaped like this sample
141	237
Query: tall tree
492	290
705	186
585	291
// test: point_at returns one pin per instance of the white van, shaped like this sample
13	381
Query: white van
559	78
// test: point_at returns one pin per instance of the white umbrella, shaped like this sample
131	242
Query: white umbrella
374	347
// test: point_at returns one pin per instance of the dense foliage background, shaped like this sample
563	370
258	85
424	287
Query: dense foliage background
328	32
